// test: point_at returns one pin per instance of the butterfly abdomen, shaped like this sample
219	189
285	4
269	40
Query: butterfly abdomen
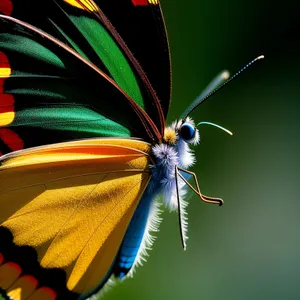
138	239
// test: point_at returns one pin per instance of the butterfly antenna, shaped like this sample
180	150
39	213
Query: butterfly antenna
216	82
202	99
216	125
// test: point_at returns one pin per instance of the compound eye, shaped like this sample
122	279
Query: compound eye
187	132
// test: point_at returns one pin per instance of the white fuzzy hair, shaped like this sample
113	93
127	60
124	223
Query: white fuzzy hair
169	156
163	175
152	226
184	158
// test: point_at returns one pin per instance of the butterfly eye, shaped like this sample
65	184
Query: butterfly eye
187	132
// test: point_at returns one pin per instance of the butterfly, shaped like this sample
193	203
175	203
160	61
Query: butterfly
85	150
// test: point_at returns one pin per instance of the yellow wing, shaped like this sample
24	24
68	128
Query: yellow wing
72	202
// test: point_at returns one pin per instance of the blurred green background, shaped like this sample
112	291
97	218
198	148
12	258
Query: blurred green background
250	247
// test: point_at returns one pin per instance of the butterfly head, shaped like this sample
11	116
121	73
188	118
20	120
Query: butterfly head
182	131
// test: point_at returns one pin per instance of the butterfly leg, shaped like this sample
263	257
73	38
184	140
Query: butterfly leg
180	212
204	198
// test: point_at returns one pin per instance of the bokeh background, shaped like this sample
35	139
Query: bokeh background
250	247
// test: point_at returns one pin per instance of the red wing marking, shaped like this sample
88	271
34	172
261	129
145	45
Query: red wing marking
140	2
9	272
23	287
44	293
11	139
19	286
6	102
4	63
6	7
7	109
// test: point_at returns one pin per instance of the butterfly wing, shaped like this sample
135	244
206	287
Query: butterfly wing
71	203
141	25
67	106
78	24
